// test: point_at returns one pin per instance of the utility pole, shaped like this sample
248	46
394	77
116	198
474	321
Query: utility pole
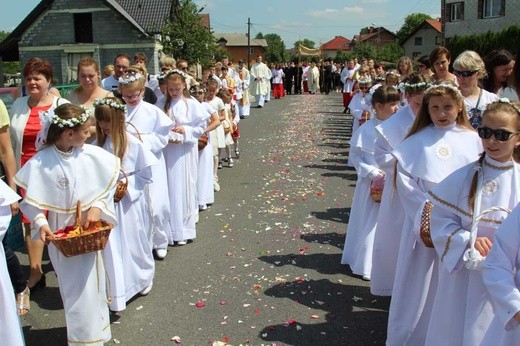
248	43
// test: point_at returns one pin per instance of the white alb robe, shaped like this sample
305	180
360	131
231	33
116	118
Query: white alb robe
502	279
55	181
129	259
359	240
182	167
206	193
424	159
152	126
462	316
390	134
11	330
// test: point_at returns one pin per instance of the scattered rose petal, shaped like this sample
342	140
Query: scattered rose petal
223	302
176	339
298	327
315	316
200	304
356	299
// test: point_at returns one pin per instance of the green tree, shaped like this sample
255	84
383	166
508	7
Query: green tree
305	42
411	22
275	51
10	67
185	37
259	36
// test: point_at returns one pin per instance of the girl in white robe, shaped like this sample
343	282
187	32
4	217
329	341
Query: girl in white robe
502	279
359	240
11	331
463	316
391	214
440	141
205	191
181	155
128	255
64	172
149	124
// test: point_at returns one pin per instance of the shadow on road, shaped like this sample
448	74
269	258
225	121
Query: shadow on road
333	214
340	303
51	336
334	239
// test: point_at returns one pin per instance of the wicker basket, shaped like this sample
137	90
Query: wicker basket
376	194
121	187
426	215
86	241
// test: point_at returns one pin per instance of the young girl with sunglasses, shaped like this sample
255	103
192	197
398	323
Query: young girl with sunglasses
462	317
360	234
129	259
148	124
440	141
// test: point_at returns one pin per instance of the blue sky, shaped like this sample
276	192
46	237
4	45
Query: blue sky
293	20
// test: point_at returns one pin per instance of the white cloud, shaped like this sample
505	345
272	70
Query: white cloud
328	12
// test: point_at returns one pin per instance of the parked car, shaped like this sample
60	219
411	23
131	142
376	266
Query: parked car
7	96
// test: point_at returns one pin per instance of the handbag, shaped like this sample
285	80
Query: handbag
121	187
203	141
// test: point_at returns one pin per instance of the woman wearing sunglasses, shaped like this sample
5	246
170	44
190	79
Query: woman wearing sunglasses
462	310
469	68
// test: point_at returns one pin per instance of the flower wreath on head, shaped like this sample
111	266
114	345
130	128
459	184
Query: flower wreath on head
414	87
443	85
515	105
130	78
49	118
364	81
392	73
174	71
110	103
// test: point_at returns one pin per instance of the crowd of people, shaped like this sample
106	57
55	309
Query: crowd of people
139	151
436	151
436	154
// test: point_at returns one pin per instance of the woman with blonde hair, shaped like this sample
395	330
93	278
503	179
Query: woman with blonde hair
469	68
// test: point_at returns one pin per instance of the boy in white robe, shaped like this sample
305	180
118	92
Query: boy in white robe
149	124
363	216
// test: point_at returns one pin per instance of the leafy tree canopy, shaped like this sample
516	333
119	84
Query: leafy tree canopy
275	50
305	42
196	44
411	22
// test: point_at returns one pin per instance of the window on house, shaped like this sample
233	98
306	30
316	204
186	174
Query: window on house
455	11
251	50
438	40
493	8
83	28
418	41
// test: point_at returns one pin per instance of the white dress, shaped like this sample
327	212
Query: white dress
152	126
424	159
390	134
358	105
55	181
502	278
129	259
462	316
11	331
206	193
359	240
218	137
182	167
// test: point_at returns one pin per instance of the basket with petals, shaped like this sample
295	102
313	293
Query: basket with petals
74	240
376	194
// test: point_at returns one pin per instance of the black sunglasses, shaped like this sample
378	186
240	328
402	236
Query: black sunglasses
464	73
500	135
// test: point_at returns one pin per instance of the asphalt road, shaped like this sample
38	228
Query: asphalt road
266	261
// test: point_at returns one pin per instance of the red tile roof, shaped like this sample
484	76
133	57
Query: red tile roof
436	24
337	43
